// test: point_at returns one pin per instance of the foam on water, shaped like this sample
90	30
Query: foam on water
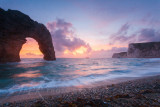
39	74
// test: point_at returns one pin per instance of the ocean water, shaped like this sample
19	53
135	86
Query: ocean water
38	74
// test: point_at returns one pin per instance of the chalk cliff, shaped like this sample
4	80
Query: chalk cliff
144	50
141	50
14	28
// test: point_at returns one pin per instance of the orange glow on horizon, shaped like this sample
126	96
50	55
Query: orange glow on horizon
107	47
30	49
81	50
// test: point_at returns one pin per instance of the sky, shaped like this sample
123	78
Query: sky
90	28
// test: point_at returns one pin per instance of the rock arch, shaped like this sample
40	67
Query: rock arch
15	27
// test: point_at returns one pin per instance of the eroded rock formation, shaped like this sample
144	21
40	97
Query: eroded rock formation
141	50
14	28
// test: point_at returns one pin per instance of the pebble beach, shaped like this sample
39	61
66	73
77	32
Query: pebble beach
144	92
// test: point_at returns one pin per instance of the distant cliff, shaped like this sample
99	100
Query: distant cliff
120	55
15	27
140	50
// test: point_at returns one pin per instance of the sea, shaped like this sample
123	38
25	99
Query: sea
33	73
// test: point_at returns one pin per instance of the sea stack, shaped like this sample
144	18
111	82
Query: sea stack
15	27
141	50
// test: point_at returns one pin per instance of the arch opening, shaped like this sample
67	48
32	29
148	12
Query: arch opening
30	49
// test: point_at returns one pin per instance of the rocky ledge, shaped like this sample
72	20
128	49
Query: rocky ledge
140	50
15	27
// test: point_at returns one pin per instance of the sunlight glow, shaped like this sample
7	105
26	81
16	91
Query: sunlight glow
80	50
28	74
107	47
30	49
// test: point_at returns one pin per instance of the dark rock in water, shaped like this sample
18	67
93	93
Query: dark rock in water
14	28
120	55
141	50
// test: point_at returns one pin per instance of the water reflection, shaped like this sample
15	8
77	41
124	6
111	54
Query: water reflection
38	64
33	73
29	84
78	73
29	74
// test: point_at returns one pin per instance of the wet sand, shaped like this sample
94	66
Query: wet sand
133	92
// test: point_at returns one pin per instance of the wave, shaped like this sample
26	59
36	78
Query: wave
38	74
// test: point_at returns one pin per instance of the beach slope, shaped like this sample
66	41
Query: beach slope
139	92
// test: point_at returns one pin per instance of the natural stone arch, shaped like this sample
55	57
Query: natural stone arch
14	28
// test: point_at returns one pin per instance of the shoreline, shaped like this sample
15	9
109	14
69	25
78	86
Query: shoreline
131	90
38	93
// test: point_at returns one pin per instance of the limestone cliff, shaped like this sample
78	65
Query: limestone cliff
144	50
14	28
141	50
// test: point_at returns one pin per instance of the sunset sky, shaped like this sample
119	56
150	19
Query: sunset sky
90	28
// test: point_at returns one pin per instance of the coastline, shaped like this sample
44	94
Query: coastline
132	92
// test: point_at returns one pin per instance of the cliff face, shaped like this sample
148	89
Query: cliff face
144	50
14	28
141	50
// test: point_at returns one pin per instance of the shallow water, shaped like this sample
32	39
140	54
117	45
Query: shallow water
37	73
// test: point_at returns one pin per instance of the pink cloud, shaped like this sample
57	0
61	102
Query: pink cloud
64	37
142	35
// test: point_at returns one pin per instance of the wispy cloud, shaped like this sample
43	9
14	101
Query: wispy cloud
142	35
32	54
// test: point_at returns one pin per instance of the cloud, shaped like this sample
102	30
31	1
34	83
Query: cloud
143	35
64	37
149	35
122	35
32	54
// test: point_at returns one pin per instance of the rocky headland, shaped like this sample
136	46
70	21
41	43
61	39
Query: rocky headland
15	27
140	50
